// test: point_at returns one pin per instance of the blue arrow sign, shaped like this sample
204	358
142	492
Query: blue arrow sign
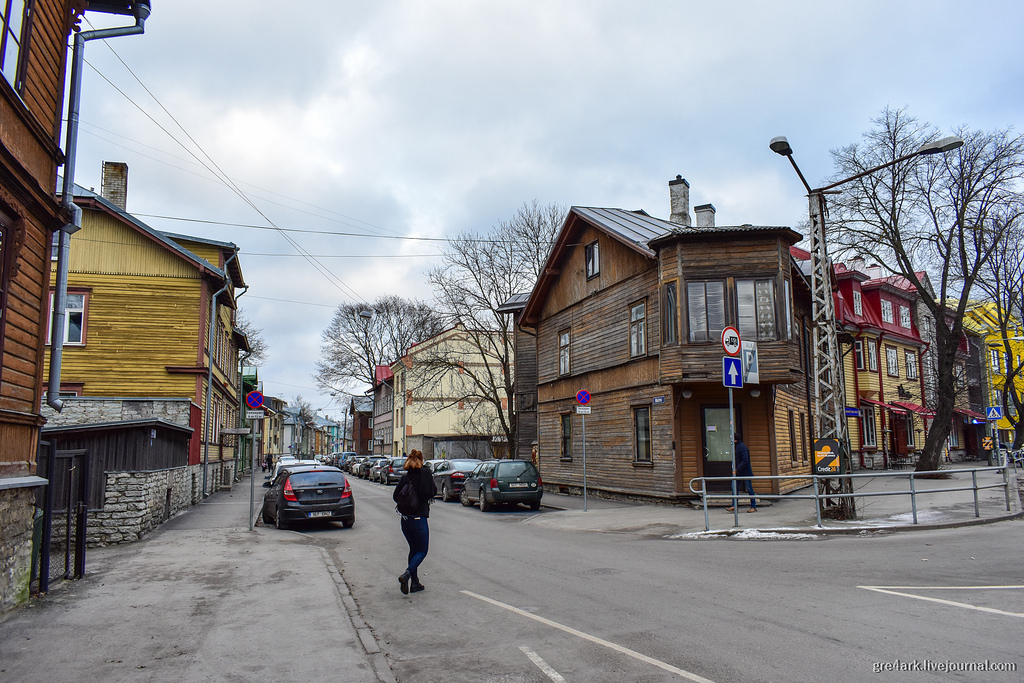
732	372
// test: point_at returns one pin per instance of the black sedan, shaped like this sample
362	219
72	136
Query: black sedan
309	492
450	475
495	482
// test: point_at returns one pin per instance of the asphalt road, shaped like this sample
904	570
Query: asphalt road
510	601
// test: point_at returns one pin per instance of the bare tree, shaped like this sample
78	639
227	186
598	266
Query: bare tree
1004	285
258	347
363	336
477	275
941	214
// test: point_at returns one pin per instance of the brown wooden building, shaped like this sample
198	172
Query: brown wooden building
631	308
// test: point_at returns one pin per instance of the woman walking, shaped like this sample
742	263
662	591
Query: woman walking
413	496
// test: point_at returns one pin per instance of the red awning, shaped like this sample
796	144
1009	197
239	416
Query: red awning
886	406
969	413
914	408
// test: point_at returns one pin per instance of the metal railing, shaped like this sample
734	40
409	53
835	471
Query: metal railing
817	496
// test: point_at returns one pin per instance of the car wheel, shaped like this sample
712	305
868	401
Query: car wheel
446	493
535	505
484	505
464	498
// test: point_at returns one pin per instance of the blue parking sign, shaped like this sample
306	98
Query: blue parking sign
732	372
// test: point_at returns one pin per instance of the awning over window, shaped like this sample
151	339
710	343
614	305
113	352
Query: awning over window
968	413
884	406
914	408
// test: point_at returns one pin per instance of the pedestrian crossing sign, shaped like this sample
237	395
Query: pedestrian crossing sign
994	413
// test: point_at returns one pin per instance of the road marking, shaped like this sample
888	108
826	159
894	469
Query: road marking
542	665
990	610
593	639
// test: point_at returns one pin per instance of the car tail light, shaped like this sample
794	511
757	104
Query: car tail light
347	491
289	494
494	483
458	475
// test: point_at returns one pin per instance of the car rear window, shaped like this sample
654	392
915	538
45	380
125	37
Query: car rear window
464	465
318	479
515	468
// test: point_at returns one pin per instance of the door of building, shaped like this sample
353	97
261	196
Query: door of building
717	457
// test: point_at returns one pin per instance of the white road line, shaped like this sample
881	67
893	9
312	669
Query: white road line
593	639
989	610
542	665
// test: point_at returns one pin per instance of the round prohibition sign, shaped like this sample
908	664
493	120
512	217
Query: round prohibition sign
731	341
254	400
583	396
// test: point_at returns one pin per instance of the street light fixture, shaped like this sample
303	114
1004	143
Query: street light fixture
829	401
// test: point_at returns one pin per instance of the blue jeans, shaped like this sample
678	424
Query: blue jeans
417	533
750	489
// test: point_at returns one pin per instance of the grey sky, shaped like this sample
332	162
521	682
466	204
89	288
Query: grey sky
405	118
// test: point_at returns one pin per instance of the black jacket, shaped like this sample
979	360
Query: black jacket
423	480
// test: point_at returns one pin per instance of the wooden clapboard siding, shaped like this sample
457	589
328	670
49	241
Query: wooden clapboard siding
43	91
793	397
106	246
135	328
211	253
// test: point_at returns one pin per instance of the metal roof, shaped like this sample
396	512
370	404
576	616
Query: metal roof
635	227
516	302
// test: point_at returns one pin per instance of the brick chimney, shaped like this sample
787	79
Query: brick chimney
679	194
705	214
114	186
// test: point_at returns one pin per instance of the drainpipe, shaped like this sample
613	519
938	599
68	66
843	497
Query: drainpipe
209	366
142	11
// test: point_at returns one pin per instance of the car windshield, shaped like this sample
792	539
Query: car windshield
515	468
318	479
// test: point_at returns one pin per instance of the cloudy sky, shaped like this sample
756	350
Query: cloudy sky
378	122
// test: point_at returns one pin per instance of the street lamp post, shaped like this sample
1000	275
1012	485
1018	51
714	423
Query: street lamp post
829	400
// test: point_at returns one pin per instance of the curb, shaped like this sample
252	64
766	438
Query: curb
853	531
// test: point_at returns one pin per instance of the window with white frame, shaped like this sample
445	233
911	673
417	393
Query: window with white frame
563	352
789	309
867	419
755	309
858	353
74	318
592	255
872	355
638	329
910	432
887	311
910	360
997	361
858	304
642	433
905	317
705	307
14	23
892	363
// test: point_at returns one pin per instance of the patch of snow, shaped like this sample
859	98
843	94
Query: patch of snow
747	535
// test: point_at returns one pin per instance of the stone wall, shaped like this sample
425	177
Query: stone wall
88	410
16	509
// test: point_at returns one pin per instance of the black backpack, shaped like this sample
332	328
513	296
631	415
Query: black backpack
407	497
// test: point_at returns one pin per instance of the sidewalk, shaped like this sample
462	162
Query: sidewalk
794	517
202	598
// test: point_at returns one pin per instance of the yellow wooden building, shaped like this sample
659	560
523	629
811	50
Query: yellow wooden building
139	306
1001	355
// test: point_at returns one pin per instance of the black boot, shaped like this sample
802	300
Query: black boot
403	580
416	587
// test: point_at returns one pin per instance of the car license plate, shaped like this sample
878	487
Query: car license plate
518	485
324	513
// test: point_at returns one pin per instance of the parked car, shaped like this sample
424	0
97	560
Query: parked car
367	465
356	463
301	493
432	464
377	466
288	461
392	471
495	482
345	459
450	475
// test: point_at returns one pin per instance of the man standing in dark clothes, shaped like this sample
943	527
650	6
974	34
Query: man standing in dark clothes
743	469
414	522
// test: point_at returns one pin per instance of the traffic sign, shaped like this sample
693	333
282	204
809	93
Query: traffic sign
254	400
583	396
731	341
750	371
732	372
994	413
583	410
255	414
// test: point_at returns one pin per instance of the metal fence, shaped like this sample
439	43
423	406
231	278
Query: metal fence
62	533
699	486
